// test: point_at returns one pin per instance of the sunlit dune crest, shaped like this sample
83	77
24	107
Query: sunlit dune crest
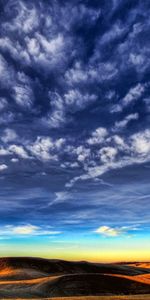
140	264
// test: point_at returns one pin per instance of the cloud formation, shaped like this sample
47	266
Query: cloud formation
74	106
25	231
114	232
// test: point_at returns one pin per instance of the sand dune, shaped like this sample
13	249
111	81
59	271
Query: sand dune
42	278
73	285
145	265
52	267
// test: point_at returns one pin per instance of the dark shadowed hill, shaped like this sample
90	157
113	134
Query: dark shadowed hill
52	267
93	284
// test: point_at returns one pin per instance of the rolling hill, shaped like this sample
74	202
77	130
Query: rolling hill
27	277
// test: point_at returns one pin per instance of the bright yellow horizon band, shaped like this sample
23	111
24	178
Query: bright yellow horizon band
107	256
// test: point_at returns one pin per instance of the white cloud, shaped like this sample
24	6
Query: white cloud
48	51
46	148
7	45
9	135
14	160
137	59
108	71
53	47
7	73
75	100
25	21
98	136
59	143
42	148
134	94
19	151
117	31
72	101
4	151
44	49
77	74
108	154
141	142
3	167
98	170
108	231
82	153
33	46
119	142
61	197
23	95
122	124
70	165
26	230
56	117
135	150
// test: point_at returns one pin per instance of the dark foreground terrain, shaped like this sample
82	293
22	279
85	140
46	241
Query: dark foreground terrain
41	278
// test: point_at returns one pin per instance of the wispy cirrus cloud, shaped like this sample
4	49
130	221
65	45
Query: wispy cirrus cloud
119	125
108	231
25	231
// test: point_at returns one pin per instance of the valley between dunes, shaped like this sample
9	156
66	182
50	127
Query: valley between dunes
36	278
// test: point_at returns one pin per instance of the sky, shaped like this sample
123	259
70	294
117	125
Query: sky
74	129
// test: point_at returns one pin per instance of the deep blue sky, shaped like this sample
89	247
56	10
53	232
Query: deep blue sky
74	118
